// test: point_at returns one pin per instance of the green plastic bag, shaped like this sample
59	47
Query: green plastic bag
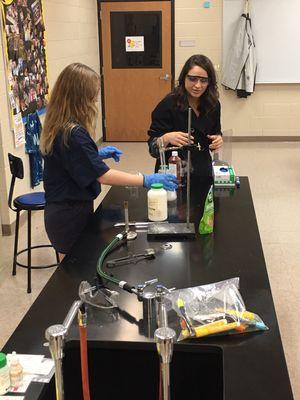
206	224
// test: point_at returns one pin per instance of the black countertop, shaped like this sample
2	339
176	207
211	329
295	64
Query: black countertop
254	364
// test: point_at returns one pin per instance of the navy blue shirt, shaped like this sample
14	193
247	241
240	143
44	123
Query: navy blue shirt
71	172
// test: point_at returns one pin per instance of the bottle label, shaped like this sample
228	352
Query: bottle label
154	209
4	382
16	379
157	209
173	169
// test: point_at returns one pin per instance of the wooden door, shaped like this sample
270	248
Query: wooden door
136	58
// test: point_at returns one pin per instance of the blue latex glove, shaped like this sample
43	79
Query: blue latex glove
110	152
169	181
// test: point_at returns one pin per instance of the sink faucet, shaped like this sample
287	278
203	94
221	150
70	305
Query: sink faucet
161	312
164	338
153	306
148	300
55	335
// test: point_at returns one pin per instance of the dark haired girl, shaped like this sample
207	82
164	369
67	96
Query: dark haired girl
197	88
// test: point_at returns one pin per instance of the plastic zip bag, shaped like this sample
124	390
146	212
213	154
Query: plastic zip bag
214	309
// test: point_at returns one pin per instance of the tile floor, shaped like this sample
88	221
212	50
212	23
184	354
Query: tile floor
274	173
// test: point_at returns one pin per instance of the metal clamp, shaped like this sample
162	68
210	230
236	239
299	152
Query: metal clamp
149	254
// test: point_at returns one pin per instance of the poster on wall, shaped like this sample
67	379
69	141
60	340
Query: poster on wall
19	130
24	41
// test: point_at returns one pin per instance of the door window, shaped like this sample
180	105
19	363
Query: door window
136	39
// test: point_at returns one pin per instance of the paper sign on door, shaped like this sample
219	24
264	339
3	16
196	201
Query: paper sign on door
134	43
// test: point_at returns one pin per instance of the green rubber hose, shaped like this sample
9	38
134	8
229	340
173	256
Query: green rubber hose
101	259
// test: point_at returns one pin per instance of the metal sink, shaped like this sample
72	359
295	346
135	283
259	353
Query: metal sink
133	373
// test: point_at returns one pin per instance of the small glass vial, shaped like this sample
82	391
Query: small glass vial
171	194
15	371
4	375
163	169
175	166
157	203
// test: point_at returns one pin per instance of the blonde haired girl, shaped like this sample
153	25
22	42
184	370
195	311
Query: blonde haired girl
73	165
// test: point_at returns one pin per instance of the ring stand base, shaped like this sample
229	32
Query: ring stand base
171	230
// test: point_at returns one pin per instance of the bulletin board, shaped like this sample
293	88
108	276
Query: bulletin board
25	52
276	30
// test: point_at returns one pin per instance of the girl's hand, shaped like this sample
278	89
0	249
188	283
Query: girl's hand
168	180
216	142
110	152
176	138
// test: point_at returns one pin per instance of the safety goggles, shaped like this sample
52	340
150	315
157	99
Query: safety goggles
195	79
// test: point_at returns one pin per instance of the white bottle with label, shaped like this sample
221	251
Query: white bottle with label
4	374
15	371
157	203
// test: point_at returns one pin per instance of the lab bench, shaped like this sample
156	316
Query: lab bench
122	354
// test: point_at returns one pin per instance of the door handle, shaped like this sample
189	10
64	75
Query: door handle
166	77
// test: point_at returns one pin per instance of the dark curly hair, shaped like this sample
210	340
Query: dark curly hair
210	97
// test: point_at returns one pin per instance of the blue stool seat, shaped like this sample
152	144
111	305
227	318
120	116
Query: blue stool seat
26	202
30	201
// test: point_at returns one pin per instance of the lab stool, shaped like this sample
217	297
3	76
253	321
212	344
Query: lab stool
27	202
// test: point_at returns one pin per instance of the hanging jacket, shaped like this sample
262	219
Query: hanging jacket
33	129
240	66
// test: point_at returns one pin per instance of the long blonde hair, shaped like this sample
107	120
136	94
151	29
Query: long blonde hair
72	103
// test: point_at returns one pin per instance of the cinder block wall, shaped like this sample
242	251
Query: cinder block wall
273	110
72	36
